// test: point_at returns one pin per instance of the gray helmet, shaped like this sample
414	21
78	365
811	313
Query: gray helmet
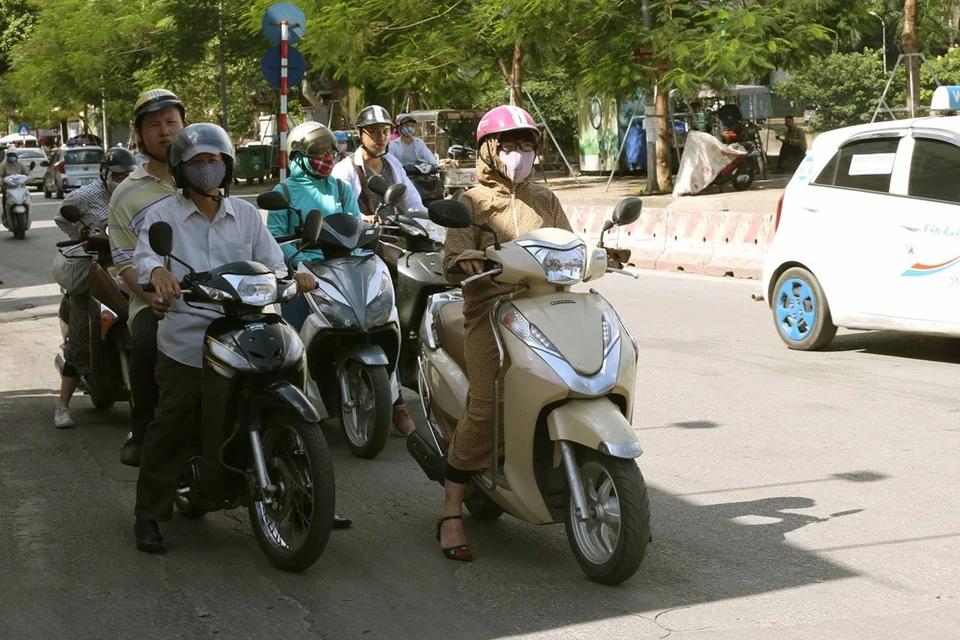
116	160
200	138
309	138
374	114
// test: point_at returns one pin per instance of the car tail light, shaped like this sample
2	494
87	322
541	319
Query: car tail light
776	222
62	166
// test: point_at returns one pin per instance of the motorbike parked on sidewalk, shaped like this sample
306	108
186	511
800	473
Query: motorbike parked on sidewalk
110	339
16	210
568	446
742	170
261	444
352	334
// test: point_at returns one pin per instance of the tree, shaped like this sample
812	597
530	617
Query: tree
911	47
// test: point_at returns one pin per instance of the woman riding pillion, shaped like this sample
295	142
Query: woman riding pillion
92	200
312	149
507	141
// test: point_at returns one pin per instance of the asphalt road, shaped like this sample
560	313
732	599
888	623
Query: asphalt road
794	495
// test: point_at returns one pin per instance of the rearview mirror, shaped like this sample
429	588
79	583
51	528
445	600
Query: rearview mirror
378	185
395	193
627	211
272	201
161	238
32	165
70	213
44	163
312	227
450	214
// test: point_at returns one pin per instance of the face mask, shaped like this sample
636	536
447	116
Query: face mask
11	159
342	147
112	185
322	165
205	176
519	164
407	131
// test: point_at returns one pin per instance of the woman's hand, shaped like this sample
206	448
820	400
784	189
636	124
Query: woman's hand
471	267
305	282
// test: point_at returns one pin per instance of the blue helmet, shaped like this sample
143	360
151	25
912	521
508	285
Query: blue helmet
341	136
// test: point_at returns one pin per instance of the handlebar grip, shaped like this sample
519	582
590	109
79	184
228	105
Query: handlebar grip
68	243
456	270
290	238
148	288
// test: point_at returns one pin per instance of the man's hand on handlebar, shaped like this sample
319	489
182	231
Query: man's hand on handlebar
165	284
471	267
305	282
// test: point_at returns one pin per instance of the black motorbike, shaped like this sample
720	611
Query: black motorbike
260	444
426	178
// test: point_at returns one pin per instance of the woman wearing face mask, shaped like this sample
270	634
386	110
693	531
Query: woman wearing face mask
342	144
92	200
312	152
407	148
507	140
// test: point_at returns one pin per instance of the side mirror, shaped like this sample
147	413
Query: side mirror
32	165
626	212
449	213
70	213
272	201
45	163
311	228
161	238
378	185
395	193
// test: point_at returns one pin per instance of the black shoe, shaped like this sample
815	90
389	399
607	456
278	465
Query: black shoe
130	453
148	536
339	522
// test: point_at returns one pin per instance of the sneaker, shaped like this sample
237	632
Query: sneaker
402	421
62	418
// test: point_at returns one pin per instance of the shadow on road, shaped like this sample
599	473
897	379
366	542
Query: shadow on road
900	345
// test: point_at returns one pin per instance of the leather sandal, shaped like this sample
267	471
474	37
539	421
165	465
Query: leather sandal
460	552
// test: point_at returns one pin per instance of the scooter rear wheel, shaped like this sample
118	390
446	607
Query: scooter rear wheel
609	546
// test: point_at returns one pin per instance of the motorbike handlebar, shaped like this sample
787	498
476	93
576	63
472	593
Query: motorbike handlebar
457	270
68	243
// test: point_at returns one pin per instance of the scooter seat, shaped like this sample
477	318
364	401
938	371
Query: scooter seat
450	332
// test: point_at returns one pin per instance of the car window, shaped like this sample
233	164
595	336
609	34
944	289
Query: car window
86	156
30	153
933	161
865	165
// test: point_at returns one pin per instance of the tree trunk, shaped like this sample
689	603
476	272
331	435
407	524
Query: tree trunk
911	45
516	95
664	173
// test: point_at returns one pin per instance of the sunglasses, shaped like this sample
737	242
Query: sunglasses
510	147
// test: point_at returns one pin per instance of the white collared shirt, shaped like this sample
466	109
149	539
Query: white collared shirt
236	233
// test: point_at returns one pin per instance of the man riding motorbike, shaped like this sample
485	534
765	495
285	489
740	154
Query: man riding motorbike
507	141
11	167
93	202
158	117
408	148
209	228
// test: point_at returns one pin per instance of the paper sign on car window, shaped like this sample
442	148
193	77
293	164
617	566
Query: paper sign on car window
871	164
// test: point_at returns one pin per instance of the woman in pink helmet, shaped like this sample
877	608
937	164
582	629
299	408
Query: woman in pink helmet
507	141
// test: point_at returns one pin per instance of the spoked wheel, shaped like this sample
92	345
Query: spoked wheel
610	544
293	529
744	177
367	413
801	312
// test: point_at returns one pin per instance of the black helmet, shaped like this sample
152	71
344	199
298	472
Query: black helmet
116	160
200	138
374	114
155	100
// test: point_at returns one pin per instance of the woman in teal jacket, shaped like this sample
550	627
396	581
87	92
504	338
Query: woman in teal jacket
312	152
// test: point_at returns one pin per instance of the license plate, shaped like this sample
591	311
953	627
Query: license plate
84	181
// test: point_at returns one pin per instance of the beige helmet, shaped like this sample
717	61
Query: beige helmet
309	138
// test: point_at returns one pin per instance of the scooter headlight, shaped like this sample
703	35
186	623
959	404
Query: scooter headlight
256	291
289	292
339	314
529	333
379	308
561	265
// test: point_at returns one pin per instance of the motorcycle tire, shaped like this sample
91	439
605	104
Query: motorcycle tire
607	479
20	224
298	460
480	505
744	176
100	396
367	435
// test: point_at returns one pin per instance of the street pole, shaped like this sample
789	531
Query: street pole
103	111
223	76
883	25
284	51
649	112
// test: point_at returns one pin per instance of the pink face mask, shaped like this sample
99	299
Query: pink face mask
322	165
519	164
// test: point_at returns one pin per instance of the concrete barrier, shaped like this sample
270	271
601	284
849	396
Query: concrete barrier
706	242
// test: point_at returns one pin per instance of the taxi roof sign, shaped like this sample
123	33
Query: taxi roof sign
946	98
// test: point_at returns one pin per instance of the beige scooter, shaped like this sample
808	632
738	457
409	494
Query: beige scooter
566	376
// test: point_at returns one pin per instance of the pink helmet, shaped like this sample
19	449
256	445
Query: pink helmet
505	118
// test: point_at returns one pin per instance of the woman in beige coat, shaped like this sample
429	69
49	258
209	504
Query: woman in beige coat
507	139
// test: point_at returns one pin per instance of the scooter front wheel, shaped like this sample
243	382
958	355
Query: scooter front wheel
367	413
610	544
294	527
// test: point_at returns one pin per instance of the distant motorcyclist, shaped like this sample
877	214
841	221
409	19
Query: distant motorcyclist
408	148
93	202
342	145
11	167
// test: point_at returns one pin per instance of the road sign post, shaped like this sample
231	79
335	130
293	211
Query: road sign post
283	24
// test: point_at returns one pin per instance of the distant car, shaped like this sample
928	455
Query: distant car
37	157
868	234
71	167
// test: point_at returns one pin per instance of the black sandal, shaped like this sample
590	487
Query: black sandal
460	552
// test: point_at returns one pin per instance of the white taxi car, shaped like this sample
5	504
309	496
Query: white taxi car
868	234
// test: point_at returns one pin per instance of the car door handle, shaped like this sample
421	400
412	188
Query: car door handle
911	226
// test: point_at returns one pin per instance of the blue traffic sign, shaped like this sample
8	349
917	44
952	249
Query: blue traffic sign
23	129
284	12
296	67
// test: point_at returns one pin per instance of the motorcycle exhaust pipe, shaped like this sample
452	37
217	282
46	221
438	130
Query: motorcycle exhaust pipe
433	463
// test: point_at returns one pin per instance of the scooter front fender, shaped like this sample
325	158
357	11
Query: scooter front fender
280	394
368	354
595	423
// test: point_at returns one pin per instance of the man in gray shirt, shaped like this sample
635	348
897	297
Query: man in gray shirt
209	230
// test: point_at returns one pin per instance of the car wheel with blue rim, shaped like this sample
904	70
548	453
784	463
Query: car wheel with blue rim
801	312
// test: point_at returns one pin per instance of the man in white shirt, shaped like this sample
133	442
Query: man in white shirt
209	230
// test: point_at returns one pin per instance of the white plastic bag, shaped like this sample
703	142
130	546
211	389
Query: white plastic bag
704	157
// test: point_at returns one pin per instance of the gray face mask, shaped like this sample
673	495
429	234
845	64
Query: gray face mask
205	176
